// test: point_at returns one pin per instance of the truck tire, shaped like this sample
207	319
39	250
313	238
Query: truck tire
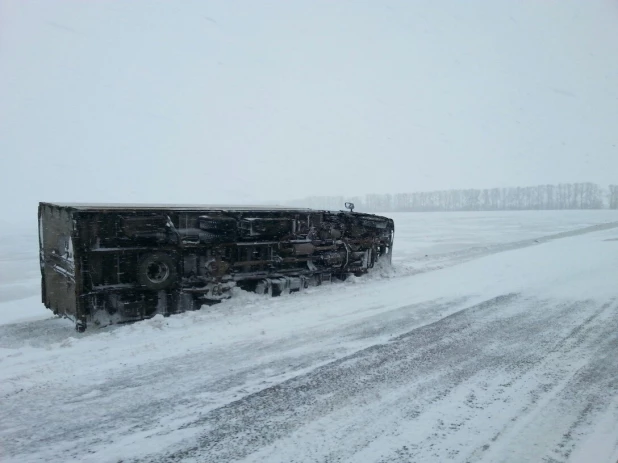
157	271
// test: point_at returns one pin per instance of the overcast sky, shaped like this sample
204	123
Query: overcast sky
244	101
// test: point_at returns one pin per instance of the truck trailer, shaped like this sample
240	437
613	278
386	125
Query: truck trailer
112	263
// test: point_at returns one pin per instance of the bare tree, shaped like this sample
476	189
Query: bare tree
613	196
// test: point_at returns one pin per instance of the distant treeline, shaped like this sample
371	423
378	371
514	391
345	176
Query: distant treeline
613	196
540	197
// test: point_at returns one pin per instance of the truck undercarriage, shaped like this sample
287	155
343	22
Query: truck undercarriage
107	264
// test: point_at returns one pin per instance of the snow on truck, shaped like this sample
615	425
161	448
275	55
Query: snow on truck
113	263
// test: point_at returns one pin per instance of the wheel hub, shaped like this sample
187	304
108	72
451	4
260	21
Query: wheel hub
158	272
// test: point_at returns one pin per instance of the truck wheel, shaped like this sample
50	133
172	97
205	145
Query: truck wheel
157	271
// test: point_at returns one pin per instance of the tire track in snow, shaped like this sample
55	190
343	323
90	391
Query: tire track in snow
410	381
171	403
555	376
206	383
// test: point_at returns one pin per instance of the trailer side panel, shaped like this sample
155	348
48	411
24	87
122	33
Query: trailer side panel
57	258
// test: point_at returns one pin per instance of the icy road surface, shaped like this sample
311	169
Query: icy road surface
507	353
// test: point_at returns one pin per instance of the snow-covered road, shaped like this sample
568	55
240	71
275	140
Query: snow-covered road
508	352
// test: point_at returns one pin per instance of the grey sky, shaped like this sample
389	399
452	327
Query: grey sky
241	101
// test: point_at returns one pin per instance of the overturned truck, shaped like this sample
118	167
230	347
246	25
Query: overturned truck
112	263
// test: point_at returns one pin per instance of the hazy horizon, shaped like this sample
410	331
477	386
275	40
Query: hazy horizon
244	102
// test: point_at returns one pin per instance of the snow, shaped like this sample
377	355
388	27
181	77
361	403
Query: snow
421	234
499	346
602	443
23	309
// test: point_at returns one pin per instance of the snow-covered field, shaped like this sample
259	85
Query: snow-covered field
492	338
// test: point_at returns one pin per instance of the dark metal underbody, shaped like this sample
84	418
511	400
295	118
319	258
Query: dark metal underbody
107	264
